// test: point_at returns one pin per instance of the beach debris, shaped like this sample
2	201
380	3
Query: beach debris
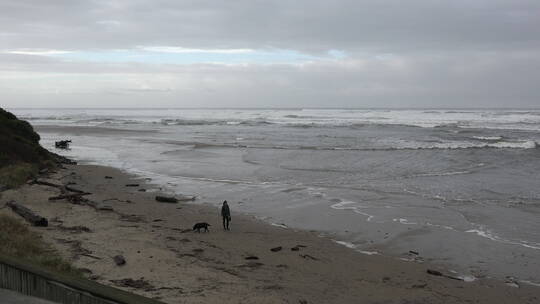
251	257
43	171
105	208
134	218
90	256
166	199
295	248
132	185
77	249
108	177
511	281
56	220
282	266
251	265
142	190
62	144
386	279
68	188
270	287
276	249
29	215
413	252
45	183
73	198
434	272
74	229
440	274
118	200
185	198
198	250
3	188
421	285
302	302
137	284
119	260
86	271
309	257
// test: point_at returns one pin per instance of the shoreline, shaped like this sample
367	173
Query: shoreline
177	266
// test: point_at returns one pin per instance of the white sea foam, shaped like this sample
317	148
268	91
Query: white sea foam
488	119
404	221
281	225
467	278
346	244
530	283
368	252
488	137
489	235
354	206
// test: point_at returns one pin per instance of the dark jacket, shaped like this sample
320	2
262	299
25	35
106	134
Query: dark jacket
225	211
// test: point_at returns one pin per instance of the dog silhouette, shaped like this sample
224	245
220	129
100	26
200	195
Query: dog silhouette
200	226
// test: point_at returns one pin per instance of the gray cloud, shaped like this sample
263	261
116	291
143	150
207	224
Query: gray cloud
400	53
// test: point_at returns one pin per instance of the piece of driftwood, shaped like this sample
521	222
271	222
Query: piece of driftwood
74	196
185	198
46	183
132	185
276	249
68	188
29	215
309	257
137	284
440	274
166	199
74	229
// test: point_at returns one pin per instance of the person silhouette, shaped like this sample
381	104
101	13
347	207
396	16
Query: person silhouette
226	215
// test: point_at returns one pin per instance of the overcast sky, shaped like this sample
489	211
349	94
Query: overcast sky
255	53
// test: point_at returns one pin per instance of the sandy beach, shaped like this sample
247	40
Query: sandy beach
167	261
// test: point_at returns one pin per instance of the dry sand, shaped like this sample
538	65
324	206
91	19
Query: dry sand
177	265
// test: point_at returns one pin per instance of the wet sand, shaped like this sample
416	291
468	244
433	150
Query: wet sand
170	262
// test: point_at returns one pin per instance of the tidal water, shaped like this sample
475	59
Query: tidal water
461	187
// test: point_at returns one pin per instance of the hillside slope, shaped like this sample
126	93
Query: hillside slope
21	155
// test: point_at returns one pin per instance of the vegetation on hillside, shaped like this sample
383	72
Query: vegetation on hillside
19	241
21	156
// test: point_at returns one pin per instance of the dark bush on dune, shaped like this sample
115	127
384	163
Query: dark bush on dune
21	156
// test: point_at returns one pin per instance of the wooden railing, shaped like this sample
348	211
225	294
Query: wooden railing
31	280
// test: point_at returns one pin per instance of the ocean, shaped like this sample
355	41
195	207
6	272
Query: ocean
460	187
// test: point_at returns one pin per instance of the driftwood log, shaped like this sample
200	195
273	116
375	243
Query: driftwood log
70	197
185	198
46	183
165	199
172	199
68	188
28	214
440	274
